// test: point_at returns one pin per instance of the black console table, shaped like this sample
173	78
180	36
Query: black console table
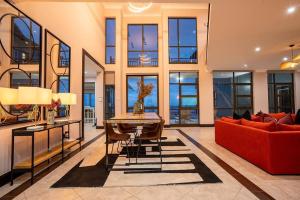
35	160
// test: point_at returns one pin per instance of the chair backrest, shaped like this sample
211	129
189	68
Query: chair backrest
108	129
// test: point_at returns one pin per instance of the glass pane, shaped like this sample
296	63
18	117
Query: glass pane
174	77
173	55
86	99
134	37
243	89
271	96
223	112
189	116
223	96
173	36
151	100
189	90
174	116
149	59
110	32
270	78
174	96
150	38
243	101
223	77
242	77
188	77
64	55
110	55
63	85
187	32
283	93
132	89
188	55
189	102
134	59
283	77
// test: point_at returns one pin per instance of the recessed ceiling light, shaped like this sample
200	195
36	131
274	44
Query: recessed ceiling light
85	72
245	65
285	59
257	49
291	10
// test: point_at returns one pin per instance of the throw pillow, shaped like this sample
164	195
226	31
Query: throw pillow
285	127
286	120
230	120
269	119
256	118
297	118
236	116
247	115
270	126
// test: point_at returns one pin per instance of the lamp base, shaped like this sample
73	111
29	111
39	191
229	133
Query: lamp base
34	128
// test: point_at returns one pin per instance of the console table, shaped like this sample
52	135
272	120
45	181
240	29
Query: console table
35	160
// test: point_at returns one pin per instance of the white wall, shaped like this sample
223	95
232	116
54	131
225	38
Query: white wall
260	92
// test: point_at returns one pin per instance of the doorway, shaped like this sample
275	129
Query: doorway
92	95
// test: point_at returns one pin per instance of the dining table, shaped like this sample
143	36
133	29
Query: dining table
131	118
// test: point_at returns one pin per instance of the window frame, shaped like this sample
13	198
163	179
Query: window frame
59	58
178	39
32	47
106	45
290	84
142	51
235	96
180	96
142	78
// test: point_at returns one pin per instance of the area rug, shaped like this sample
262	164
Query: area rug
180	166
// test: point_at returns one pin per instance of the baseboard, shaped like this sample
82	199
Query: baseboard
189	125
5	178
99	127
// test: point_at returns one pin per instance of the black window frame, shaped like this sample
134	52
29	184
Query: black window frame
235	96
180	96
142	51
275	84
142	79
110	46
178	38
37	48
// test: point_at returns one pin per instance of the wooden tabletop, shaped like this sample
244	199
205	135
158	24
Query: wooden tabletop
146	118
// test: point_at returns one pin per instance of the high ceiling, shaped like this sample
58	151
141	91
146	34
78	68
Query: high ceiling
237	27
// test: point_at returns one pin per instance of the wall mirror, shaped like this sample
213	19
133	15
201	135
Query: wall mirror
20	58
57	68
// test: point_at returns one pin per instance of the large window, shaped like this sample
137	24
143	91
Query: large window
183	40
232	93
25	41
184	108
151	101
281	92
142	45
89	94
110	41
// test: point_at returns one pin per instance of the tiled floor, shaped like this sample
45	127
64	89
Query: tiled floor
279	187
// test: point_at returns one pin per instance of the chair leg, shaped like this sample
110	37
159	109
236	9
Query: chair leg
138	150
127	150
159	146
118	146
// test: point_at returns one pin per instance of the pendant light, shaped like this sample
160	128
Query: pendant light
292	63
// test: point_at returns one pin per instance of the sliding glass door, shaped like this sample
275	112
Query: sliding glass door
184	105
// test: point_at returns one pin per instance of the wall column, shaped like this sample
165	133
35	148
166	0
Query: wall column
260	92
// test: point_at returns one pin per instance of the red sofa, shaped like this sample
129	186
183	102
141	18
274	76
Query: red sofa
276	152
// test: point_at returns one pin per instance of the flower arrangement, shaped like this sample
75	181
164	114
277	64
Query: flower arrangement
143	91
54	104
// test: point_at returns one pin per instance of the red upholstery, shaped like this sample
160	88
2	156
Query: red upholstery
269	126
230	120
286	127
278	115
275	152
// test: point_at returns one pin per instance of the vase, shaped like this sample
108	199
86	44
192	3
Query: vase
138	107
50	117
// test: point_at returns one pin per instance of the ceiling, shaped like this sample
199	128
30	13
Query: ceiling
91	68
237	27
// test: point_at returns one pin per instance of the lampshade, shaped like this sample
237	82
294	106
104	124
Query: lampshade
55	96
67	98
288	65
34	96
297	58
8	96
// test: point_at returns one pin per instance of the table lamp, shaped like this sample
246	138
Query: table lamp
67	99
34	96
8	96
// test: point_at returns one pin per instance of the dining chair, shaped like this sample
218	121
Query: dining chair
154	134
114	137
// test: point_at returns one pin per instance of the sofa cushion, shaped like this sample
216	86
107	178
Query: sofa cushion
245	115
270	126
269	119
278	115
230	120
286	120
256	118
285	127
